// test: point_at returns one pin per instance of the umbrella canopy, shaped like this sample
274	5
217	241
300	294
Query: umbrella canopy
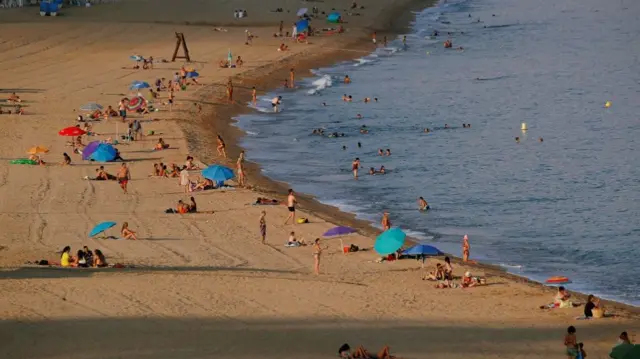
101	228
71	131
302	25
633	353
389	241
90	107
302	11
135	103
192	74
136	58
217	173
137	85
89	149
624	351
339	231
103	153
334	17
37	149
422	250
229	56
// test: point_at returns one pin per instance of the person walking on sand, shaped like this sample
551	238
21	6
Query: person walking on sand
354	167
292	78
317	251
254	97
221	147
263	227
184	179
465	248
571	343
123	177
373	37
230	91
386	222
291	206
240	169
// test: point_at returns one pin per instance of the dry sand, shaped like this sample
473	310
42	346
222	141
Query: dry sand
204	286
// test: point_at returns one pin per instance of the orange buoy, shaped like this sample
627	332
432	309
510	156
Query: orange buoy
558	280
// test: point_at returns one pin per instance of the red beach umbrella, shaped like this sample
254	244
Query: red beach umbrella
135	103
71	131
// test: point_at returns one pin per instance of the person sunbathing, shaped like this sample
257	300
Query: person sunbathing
283	47
362	353
163	170
14	98
182	207
127	233
37	159
192	207
174	171
446	284
161	145
96	114
66	260
266	201
224	64
102	175
204	185
99	259
437	274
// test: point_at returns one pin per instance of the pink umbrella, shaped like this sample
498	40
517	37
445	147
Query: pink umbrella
136	103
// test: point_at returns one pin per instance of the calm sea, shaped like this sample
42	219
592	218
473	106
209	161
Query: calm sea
569	205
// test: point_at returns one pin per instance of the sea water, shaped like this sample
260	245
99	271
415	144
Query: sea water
566	206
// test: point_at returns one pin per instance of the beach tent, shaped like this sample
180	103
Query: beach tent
104	153
50	7
334	17
302	25
89	149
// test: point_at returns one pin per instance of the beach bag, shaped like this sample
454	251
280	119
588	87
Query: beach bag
597	312
302	220
353	248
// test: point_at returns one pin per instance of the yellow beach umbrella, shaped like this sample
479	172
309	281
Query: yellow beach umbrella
38	149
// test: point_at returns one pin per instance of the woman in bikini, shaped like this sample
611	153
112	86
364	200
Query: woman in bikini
317	251
465	248
127	233
354	167
99	259
221	147
263	227
240	169
386	222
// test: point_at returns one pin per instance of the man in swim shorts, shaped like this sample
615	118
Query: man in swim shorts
275	102
123	177
291	205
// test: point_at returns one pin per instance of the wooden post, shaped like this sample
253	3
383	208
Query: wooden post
180	40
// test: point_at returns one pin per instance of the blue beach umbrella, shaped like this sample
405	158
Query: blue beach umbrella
192	74
137	85
389	241
422	250
339	231
104	153
217	173
101	228
302	25
334	17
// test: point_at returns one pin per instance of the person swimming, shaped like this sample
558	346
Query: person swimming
380	152
517	139
388	152
347	79
422	204
426	130
359	145
344	148
382	170
359	116
446	126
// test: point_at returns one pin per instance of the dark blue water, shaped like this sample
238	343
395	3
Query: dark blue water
565	206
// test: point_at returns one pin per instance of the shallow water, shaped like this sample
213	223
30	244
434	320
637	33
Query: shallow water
565	206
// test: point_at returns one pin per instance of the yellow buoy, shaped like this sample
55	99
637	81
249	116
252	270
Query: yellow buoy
607	104
523	127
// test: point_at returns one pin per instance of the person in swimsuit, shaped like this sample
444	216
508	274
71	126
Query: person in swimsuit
67	160
275	102
317	251
240	169
465	248
100	260
347	79
291	205
571	343
292	76
354	167
123	177
448	269
221	147
230	91
263	227
386	222
422	204
254	97
126	233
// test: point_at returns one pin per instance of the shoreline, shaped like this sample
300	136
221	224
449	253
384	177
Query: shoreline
222	121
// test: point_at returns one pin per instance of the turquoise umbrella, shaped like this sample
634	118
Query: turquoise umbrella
229	57
389	241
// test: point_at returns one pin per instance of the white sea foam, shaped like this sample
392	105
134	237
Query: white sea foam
320	84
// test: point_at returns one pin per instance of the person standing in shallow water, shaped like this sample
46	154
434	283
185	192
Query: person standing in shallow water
240	170
465	248
386	222
317	251
292	78
230	91
354	167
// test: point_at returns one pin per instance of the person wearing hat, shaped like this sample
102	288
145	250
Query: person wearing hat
468	281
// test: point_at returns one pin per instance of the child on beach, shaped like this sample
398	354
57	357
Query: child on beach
263	227
571	343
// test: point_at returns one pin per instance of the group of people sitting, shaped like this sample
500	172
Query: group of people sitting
294	242
84	258
183	208
226	64
443	273
102	175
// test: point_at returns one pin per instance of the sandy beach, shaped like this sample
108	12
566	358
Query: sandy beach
202	285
